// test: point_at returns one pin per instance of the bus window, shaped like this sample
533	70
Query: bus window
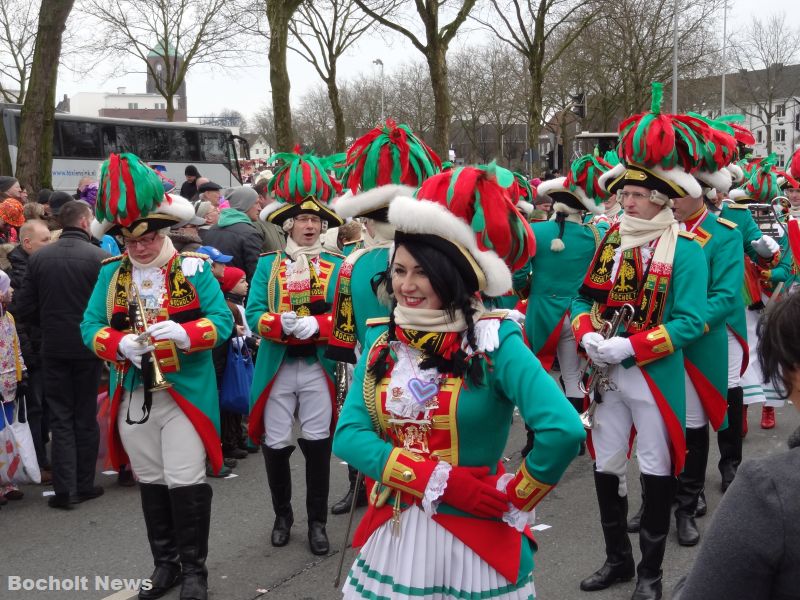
153	144
183	145
212	147
80	140
118	138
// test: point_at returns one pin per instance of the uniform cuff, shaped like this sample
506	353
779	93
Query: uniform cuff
408	472
581	325
202	335
106	343
651	345
525	491
269	327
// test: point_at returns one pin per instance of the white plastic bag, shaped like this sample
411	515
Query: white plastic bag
18	463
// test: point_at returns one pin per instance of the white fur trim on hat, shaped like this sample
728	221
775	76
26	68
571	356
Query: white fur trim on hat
681	178
554	186
525	207
99	229
612	174
270	208
365	202
737	174
738	194
172	205
425	217
719	180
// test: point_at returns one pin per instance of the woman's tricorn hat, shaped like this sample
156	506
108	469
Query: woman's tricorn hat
468	214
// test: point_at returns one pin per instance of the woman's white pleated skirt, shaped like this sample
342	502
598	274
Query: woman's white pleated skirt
426	561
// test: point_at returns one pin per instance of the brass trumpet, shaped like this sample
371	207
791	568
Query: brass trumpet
595	378
139	326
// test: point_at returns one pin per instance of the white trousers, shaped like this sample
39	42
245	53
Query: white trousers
569	361
696	416
166	449
299	389
735	356
632	404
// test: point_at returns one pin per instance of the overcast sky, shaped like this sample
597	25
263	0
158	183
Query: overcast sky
246	88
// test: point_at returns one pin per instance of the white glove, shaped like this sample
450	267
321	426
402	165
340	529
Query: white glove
288	322
131	348
590	342
487	335
305	328
765	246
614	350
170	330
516	316
191	266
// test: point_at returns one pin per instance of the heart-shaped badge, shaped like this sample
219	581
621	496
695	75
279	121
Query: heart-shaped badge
422	390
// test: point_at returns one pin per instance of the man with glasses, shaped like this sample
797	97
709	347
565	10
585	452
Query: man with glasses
166	426
289	305
646	262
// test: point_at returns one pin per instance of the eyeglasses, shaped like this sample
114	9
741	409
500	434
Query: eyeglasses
307	219
622	196
142	241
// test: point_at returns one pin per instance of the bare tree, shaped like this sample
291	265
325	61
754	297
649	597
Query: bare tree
761	53
264	125
18	21
35	153
529	27
314	122
182	33
322	32
361	104
410	98
469	99
279	15
434	48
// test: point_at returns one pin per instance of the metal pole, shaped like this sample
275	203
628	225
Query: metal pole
675	57
724	49
379	62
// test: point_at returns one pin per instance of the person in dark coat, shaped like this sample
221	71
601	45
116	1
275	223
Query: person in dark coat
34	235
236	233
189	187
55	292
752	547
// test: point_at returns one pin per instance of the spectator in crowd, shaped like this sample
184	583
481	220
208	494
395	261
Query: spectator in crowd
56	202
10	188
33	235
753	543
210	192
84	181
89	194
32	210
274	236
189	187
56	290
218	261
186	237
11	219
12	370
43	196
209	213
236	233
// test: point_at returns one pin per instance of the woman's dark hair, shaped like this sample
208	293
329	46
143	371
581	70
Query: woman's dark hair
454	294
779	343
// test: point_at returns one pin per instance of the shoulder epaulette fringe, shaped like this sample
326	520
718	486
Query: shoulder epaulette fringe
111	259
194	255
687	234
727	223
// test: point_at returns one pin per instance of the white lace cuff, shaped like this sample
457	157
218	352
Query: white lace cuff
435	488
514	517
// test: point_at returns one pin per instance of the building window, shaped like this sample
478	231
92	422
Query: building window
780	110
780	135
161	106
781	159
797	122
133	105
758	136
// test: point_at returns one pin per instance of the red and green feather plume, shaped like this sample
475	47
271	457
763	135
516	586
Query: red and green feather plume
389	153
129	190
303	176
584	173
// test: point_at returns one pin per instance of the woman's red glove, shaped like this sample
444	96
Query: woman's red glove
466	490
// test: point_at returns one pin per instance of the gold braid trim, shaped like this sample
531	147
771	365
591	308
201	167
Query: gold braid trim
273	281
368	388
596	317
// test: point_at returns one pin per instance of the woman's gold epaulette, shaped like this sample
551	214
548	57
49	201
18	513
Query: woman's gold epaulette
376	321
111	259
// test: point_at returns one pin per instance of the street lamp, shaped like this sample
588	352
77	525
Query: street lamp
379	62
724	48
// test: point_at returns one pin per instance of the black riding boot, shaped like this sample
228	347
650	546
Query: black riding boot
577	404
157	511
690	485
191	513
730	440
619	565
318	473
279	479
343	505
636	520
658	494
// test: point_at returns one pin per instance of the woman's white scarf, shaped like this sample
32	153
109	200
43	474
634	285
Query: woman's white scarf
437	321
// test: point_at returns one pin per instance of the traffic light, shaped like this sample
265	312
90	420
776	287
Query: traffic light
579	105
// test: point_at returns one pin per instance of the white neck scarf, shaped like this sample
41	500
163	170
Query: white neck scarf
167	251
638	232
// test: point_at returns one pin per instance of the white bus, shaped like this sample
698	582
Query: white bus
80	144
